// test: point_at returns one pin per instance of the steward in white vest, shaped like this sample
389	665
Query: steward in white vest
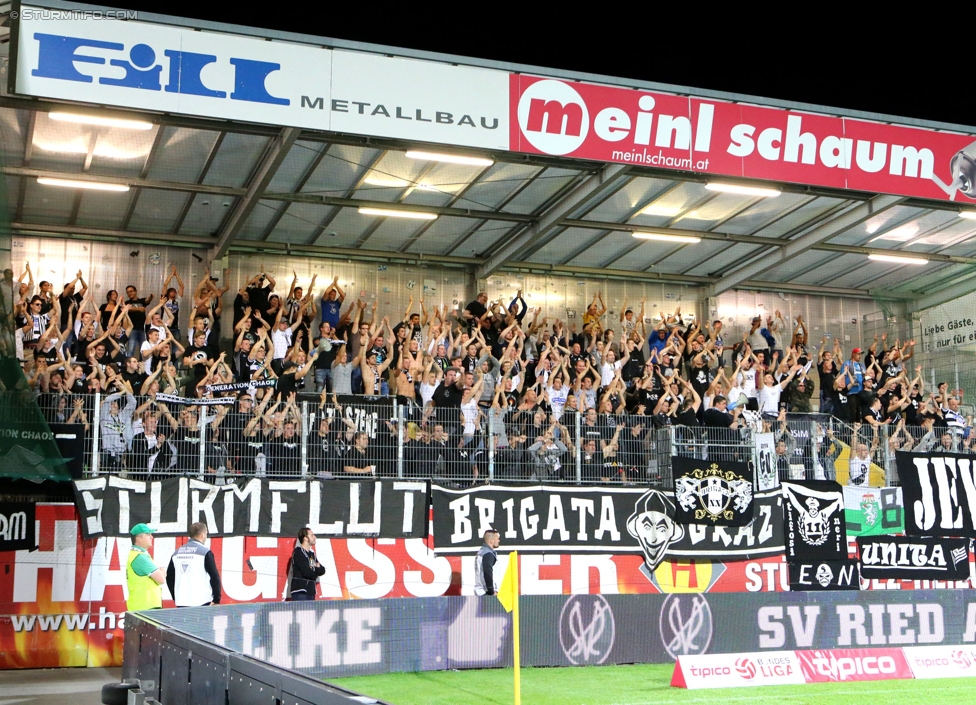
192	575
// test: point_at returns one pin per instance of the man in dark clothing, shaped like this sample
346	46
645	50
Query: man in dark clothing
192	576
485	580
446	400
305	567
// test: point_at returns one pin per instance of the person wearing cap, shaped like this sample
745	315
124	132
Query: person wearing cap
143	578
855	368
485	580
192	576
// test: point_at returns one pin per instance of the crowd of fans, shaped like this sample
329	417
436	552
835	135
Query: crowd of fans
492	372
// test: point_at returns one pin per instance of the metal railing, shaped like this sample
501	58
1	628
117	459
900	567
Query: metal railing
142	438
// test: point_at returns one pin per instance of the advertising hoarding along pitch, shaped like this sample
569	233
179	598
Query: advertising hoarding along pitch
163	68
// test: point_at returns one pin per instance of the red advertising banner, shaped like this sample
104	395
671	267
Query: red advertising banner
64	603
842	665
628	126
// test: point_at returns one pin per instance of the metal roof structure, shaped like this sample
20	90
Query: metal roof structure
235	186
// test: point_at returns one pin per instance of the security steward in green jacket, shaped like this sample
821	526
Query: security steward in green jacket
143	577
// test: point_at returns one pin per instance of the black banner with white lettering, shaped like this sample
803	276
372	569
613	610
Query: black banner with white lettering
825	575
17	531
913	558
815	529
368	414
763	536
110	506
560	519
940	493
714	494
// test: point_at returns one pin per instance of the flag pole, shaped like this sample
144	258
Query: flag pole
517	652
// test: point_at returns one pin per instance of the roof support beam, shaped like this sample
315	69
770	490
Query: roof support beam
259	182
817	236
595	186
966	284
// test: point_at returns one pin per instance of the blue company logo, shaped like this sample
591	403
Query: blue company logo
58	59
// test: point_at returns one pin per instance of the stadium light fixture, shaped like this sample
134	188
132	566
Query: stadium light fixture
743	190
93	185
898	259
449	158
968	215
668	237
391	213
100	120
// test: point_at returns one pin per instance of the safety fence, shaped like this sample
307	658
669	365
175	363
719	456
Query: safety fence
354	436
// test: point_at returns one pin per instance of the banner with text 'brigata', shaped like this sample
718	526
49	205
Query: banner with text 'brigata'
940	493
558	519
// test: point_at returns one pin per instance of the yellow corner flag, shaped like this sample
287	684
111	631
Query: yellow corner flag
508	594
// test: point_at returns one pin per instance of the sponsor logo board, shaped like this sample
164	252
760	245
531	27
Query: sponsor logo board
941	661
844	665
737	670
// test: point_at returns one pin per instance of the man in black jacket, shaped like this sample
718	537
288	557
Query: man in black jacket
305	567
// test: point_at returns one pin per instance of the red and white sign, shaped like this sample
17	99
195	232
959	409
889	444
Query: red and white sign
737	670
626	126
843	665
941	661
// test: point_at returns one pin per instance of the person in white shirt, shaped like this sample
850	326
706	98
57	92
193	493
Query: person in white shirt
770	391
609	367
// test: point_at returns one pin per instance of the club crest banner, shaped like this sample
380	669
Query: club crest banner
874	511
711	493
814	521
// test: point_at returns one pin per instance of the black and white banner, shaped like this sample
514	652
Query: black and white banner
815	528
940	493
17	529
711	493
913	558
764	461
825	575
368	416
255	507
161	398
763	536
561	519
241	386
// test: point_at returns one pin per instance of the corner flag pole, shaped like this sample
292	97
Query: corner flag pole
517	652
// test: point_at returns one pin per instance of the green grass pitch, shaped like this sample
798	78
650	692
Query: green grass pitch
638	685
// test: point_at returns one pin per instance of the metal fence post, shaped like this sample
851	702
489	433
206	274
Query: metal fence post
491	445
304	438
96	430
579	449
202	423
401	433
